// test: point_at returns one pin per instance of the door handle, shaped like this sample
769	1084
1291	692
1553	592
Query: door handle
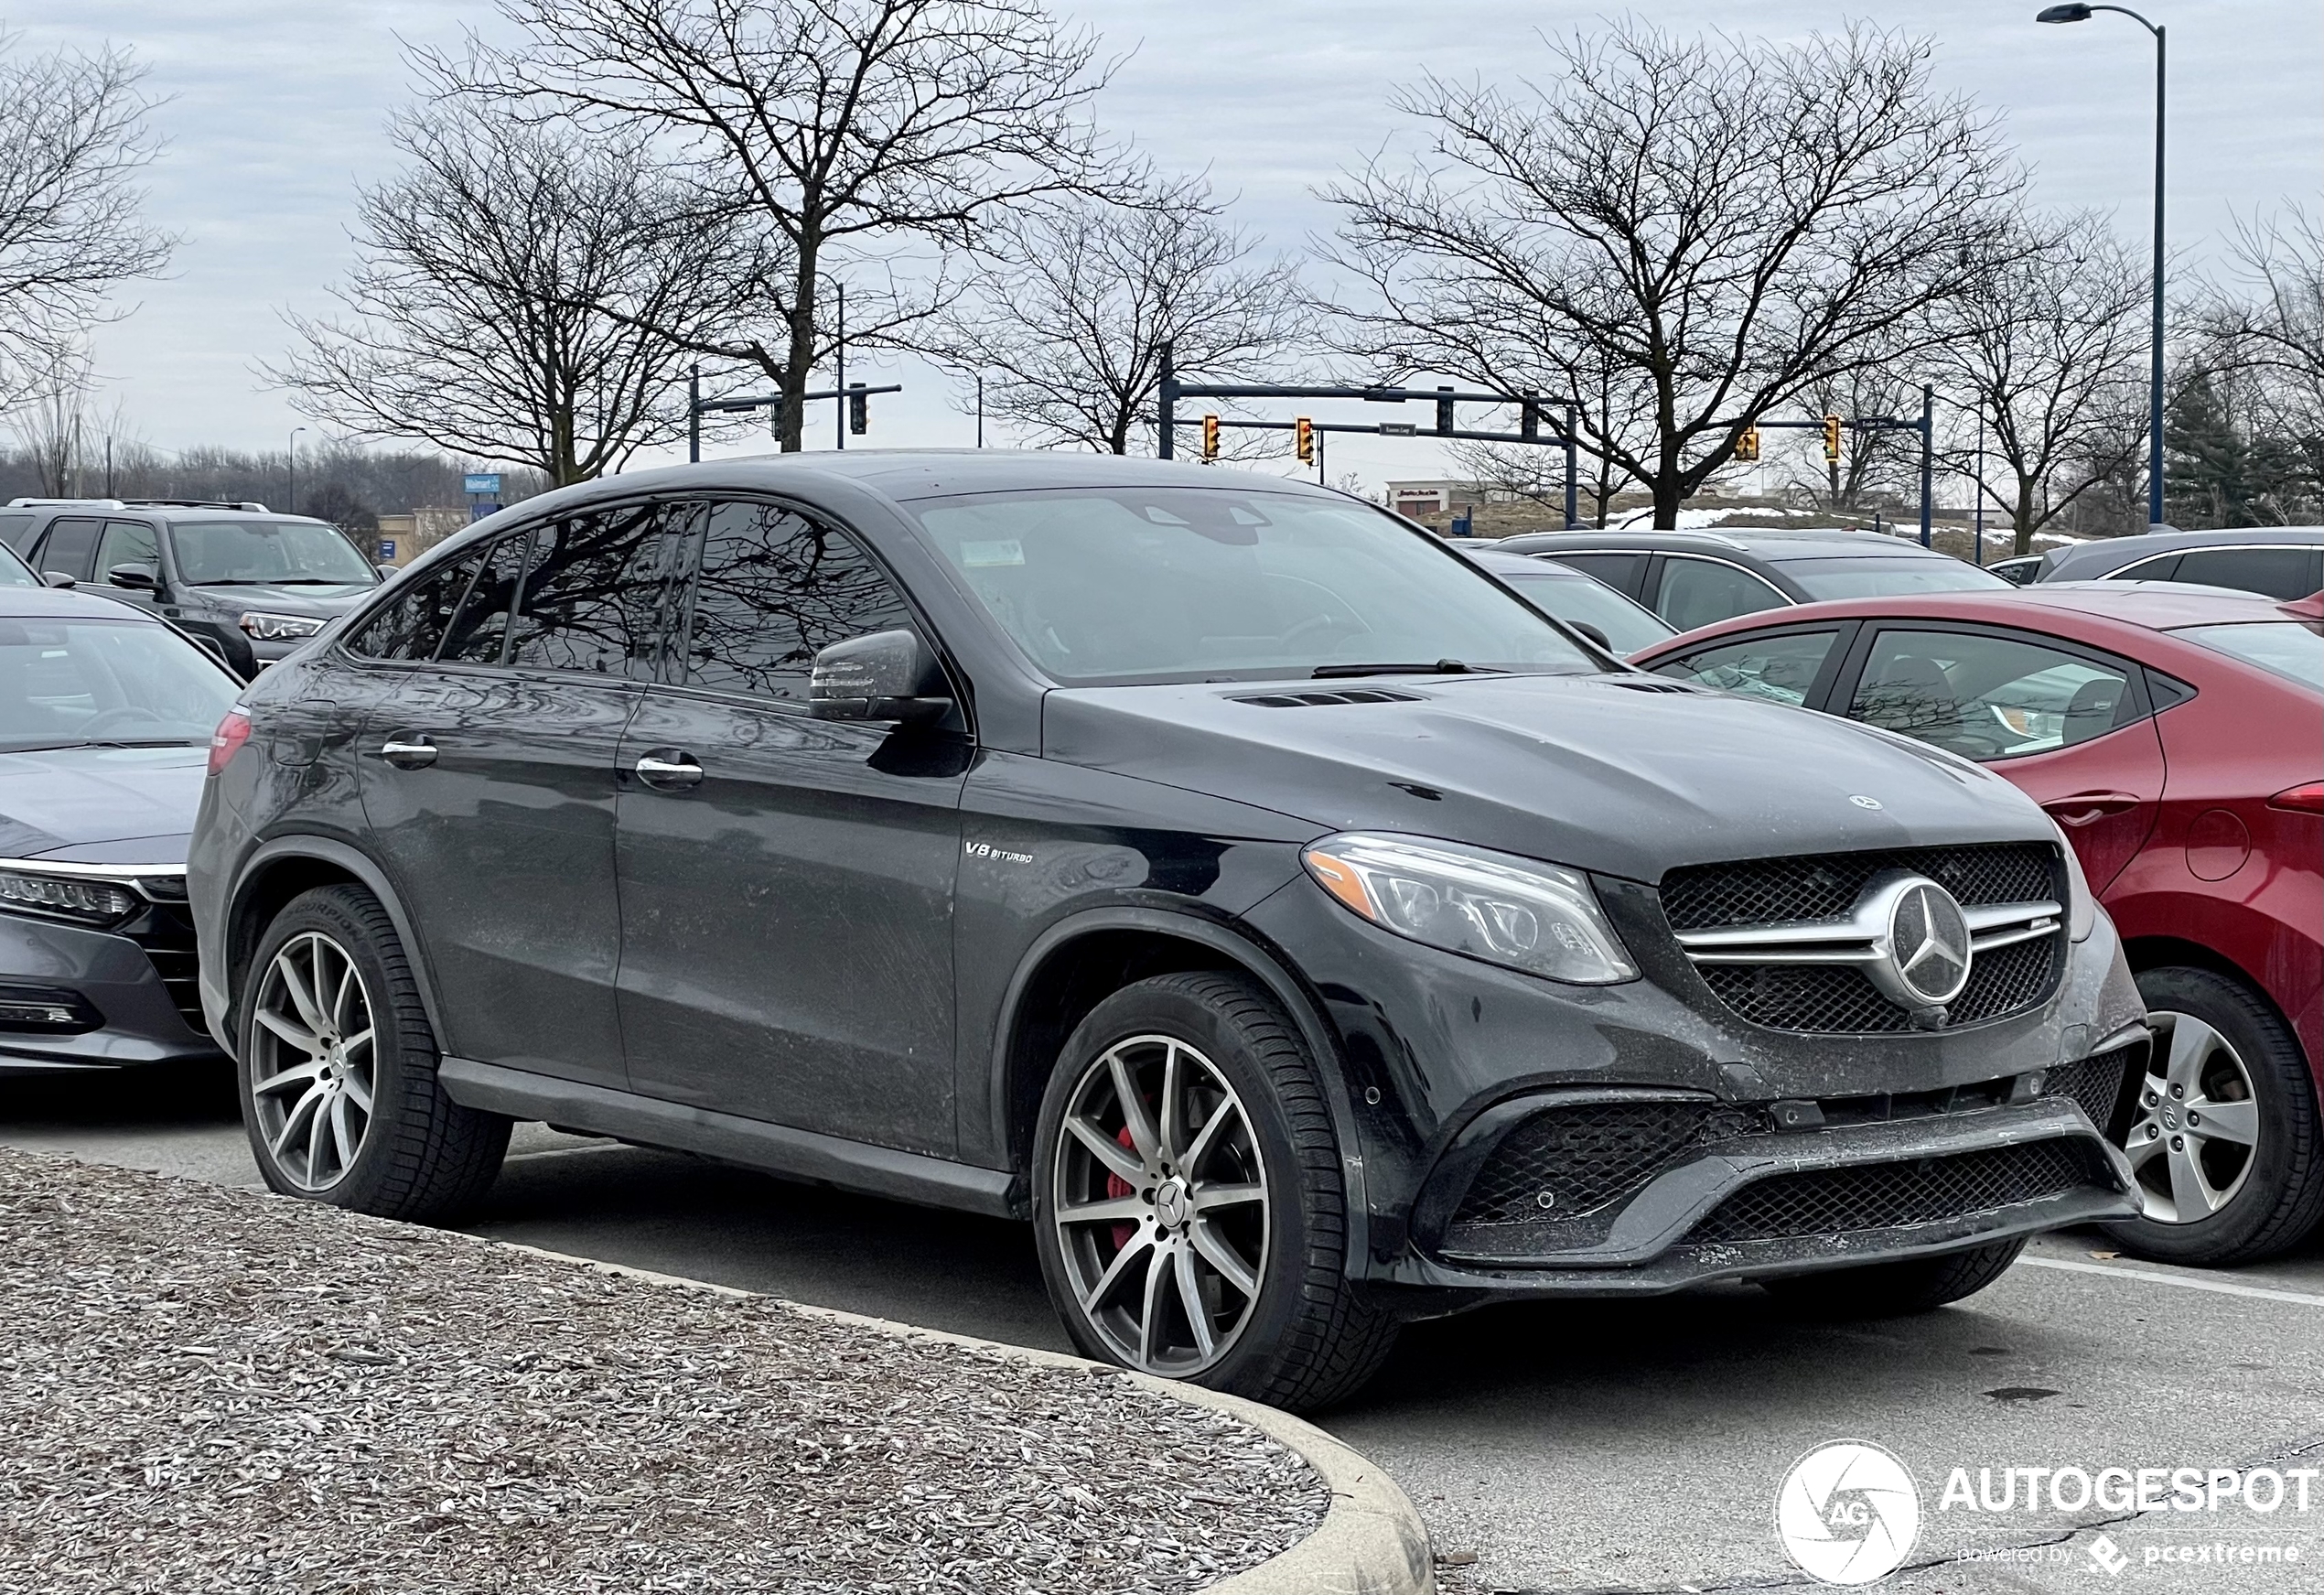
677	772
408	753
2087	807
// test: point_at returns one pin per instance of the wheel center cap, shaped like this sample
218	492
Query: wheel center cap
1170	1203
2170	1115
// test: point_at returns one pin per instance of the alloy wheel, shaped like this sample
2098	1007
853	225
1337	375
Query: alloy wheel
312	1063
2197	1126
1161	1206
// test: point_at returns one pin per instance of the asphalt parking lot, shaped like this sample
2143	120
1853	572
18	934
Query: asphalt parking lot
1572	1448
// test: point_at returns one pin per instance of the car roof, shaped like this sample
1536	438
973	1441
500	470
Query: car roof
66	604
1767	542
2114	553
1529	564
61	509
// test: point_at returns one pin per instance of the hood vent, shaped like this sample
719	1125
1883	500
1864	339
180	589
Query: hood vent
1347	695
1648	684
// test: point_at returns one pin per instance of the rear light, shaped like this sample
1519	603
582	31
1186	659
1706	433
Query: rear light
228	739
2301	800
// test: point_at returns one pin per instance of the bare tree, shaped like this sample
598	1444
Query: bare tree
1074	302
1873	462
517	297
72	139
52	427
2048	344
837	129
1723	222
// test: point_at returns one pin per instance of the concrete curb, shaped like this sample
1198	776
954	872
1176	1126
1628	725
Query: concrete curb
1371	1541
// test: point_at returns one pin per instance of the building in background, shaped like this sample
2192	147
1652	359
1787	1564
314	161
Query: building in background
405	537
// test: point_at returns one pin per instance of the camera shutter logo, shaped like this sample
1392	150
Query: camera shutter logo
1847	1513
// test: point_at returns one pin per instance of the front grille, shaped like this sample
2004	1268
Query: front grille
1881	1196
167	933
2095	1085
1568	1163
1834	999
1772	892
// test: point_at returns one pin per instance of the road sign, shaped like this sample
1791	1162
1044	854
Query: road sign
387	551
480	508
482	484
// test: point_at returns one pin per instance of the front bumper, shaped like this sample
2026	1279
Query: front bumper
131	988
1446	1056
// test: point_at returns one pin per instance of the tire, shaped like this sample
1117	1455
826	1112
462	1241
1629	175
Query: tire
2272	1189
1302	1335
1895	1289
357	1125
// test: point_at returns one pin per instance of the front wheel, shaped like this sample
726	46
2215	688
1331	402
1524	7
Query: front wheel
1900	1289
337	1070
1189	1202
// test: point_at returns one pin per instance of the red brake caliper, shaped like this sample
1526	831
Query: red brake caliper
1116	1188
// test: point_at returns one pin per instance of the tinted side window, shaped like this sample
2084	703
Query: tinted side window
481	624
70	544
774	589
593	600
15	530
412	624
128	543
2280	573
1988	697
1619	571
1697	592
1782	668
2162	569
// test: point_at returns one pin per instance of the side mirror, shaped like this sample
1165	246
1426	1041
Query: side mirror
58	578
1593	634
136	577
888	675
387	572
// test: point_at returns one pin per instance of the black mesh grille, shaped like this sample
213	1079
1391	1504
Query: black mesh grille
1770	891
1884	1195
166	931
1834	999
1591	1156
2095	1085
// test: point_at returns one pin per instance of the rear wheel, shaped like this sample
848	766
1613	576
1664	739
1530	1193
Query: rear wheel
337	1070
1896	1290
2225	1136
1189	1201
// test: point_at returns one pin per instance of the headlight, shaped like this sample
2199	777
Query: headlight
2081	908
92	902
1539	918
279	627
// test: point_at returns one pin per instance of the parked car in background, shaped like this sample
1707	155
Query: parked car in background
1589	605
256	583
106	716
2281	562
1301	931
2019	570
1695	579
2177	734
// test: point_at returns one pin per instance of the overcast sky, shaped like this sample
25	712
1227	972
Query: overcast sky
274	111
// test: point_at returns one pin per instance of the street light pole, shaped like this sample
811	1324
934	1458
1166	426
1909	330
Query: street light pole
293	468
2155	373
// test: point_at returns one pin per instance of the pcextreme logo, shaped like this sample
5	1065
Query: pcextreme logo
1847	1513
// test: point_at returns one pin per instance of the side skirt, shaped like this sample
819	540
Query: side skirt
775	1148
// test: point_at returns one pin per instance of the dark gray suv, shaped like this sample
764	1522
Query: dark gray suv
1298	927
254	583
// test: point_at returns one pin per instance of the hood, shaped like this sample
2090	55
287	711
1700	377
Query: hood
100	805
323	603
1625	775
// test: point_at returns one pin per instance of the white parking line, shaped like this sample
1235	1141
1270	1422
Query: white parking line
2185	1282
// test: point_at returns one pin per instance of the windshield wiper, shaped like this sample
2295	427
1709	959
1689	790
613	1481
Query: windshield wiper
1442	667
102	742
275	581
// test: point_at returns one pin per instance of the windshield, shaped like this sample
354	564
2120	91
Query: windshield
1168	584
71	683
2291	649
1879	577
306	552
1576	597
14	571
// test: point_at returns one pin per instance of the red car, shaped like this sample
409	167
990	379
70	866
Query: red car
2177	736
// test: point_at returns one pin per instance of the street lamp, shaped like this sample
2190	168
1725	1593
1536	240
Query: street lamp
2154	377
293	468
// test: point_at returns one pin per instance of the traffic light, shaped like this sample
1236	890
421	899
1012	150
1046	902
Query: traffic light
858	410
1746	445
1529	419
1444	414
1832	437
1210	437
1305	431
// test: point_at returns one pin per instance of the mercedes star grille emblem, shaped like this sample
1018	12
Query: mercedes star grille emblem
1928	945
